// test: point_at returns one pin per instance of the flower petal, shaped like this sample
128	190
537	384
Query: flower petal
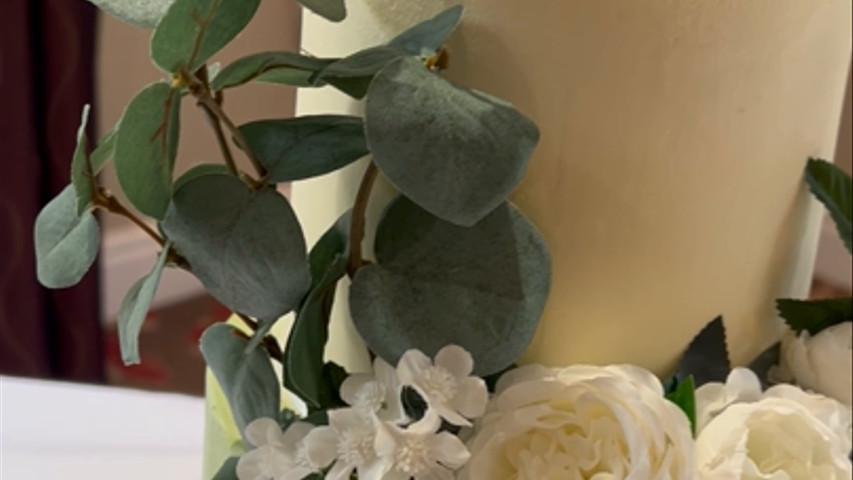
295	434
352	385
261	431
448	450
472	398
321	446
412	365
340	471
254	465
455	360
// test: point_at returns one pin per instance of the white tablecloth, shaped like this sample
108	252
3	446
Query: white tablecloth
51	430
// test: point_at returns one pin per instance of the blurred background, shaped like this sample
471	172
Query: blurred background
56	56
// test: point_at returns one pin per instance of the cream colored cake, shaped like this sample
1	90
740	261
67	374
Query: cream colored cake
668	182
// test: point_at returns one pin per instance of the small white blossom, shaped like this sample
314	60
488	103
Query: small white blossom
418	452
290	455
350	437
448	387
377	394
822	363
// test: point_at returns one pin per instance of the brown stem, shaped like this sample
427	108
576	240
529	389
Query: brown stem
359	213
269	342
216	126
206	99
105	200
253	325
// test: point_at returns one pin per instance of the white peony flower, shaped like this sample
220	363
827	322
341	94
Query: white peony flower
581	423
448	387
377	394
290	455
823	363
418	452
781	434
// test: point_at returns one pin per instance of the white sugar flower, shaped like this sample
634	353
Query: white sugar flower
351	436
290	455
418	452
448	387
375	394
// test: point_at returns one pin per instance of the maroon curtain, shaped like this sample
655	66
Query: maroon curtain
46	76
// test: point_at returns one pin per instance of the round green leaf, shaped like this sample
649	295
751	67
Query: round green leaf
245	246
146	148
482	287
305	147
192	31
427	37
334	10
66	243
286	67
456	153
141	13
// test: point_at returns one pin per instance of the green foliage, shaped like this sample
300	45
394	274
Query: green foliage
707	356
105	150
146	148
192	31
333	10
247	378
144	14
228	470
134	309
305	147
683	394
456	153
66	242
813	316
245	246
436	283
427	37
353	74
834	188
82	177
274	67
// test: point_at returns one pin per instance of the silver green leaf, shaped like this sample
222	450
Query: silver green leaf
272	67
456	153
245	246
146	148
105	150
247	378
427	37
305	147
333	10
353	74
134	309
141	13
82	176
834	188
192	31
436	283
66	242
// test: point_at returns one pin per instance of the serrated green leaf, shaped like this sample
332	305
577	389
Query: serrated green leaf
82	177
66	243
765	362
435	284
228	471
245	246
427	37
140	13
834	188
333	10
192	31
707	356
684	395
274	67
105	150
146	148
456	153
247	379
134	309
815	316
305	147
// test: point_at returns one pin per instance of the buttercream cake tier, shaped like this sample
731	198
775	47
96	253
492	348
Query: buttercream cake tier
668	182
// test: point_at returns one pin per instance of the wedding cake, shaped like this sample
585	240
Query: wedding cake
668	180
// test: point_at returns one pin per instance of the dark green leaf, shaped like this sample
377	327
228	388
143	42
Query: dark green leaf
305	147
427	37
192	31
145	13
275	67
66	243
82	177
352	75
815	316
247	379
105	150
765	362
333	10
146	148
228	470
456	153
264	328
134	309
684	395
435	284
200	171
707	356
834	188
245	246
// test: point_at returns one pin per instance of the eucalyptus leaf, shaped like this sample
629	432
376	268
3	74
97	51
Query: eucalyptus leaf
814	316
82	177
140	13
200	171
264	328
435	284
134	309
247	379
305	147
456	153
353	75
192	31
427	37
333	10
146	148
105	150
66	243
707	356
834	188
228	471
275	67
684	395
245	246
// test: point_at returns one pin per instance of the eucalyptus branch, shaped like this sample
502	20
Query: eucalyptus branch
105	200
269	342
359	213
204	98
215	125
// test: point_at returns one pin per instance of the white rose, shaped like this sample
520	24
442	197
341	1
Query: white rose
823	363
581	423
781	434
